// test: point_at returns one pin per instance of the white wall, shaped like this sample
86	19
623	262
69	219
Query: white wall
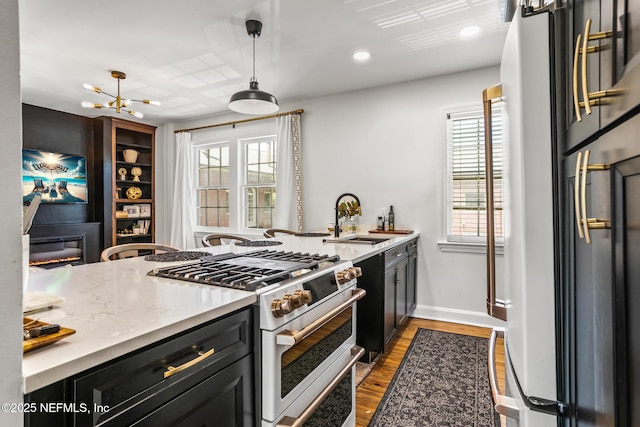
388	146
10	226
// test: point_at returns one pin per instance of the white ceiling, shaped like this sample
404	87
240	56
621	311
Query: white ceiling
193	54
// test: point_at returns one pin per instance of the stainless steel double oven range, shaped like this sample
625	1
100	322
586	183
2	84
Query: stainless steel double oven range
307	327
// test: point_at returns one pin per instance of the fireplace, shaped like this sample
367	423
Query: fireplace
57	245
57	251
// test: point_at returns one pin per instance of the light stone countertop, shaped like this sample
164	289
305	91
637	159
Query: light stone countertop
116	308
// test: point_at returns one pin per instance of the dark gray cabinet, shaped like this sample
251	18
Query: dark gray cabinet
597	52
600	278
200	377
398	270
581	123
390	281
598	49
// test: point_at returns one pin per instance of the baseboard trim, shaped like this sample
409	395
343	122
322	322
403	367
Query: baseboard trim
465	317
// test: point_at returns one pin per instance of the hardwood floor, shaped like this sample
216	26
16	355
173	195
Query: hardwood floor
370	392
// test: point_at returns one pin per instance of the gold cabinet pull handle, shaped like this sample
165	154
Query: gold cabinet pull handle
587	222
585	46
201	356
593	98
576	100
576	195
583	195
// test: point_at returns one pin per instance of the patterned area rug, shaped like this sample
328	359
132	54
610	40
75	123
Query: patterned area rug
443	380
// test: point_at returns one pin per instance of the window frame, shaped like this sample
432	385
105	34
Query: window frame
196	151
234	137
460	243
243	184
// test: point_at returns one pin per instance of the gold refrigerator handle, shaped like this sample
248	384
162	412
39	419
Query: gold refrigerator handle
494	308
503	404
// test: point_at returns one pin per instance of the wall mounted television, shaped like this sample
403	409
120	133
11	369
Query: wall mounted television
58	178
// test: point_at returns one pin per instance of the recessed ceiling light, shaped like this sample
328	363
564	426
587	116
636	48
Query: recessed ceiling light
361	56
470	31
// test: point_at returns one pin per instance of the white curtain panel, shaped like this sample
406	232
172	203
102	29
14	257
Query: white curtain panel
289	190
183	216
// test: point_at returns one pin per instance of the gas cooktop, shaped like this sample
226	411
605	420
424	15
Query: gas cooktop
247	271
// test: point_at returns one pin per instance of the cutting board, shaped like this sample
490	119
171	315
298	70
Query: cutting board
35	300
390	232
44	340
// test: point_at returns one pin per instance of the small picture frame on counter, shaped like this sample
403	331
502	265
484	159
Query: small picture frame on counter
133	211
145	210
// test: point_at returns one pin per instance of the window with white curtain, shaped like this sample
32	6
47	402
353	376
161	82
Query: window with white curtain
466	191
236	183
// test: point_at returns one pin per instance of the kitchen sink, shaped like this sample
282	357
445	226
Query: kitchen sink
366	240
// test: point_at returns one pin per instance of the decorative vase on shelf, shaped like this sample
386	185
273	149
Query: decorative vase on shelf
130	156
352	224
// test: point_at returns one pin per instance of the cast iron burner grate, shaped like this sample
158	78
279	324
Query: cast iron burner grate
249	271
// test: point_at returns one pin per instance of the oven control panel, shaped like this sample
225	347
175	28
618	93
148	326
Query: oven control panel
299	294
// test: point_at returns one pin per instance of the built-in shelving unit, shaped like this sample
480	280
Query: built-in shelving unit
128	200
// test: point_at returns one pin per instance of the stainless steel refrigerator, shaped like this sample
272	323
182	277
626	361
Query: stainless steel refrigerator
529	275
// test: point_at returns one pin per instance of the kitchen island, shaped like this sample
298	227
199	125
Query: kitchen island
118	310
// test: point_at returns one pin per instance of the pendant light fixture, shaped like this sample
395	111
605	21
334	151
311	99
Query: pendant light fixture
118	103
253	100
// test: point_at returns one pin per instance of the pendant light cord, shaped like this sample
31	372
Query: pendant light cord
253	78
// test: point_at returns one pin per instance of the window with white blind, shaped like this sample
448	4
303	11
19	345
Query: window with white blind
466	191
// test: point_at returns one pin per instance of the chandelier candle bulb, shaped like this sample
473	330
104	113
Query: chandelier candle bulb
93	88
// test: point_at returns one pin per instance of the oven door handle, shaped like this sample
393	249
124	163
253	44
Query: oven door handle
291	338
356	354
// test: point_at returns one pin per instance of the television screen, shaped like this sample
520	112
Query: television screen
58	178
